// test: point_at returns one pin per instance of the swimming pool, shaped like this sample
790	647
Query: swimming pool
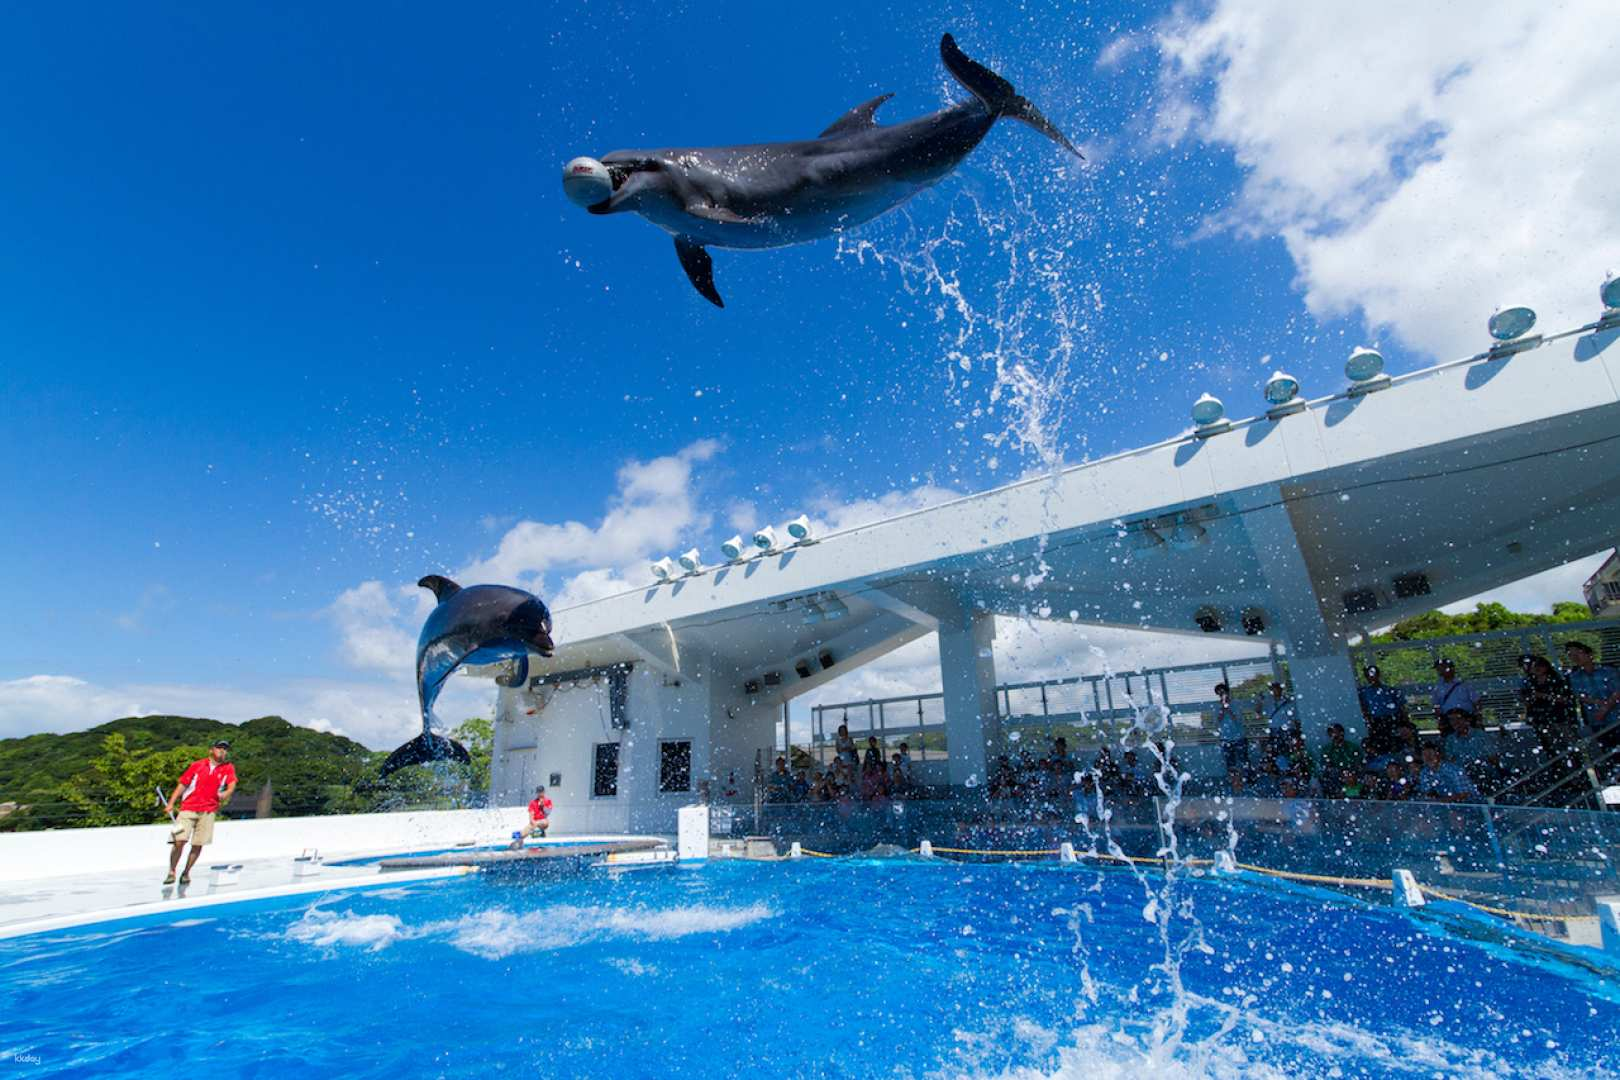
843	967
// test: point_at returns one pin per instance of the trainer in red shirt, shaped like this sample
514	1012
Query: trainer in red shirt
539	812
201	786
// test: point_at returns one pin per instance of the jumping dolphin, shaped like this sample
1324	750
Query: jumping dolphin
481	624
775	194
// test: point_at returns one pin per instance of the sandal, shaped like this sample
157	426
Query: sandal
170	879
185	879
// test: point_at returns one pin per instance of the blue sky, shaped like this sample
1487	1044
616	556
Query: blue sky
292	301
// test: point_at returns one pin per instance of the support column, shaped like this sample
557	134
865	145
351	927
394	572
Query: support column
1318	655
967	669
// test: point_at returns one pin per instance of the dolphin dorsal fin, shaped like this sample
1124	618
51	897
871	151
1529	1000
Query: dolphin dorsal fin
859	118
443	588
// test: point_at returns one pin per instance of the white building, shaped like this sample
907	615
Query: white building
1602	589
1302	526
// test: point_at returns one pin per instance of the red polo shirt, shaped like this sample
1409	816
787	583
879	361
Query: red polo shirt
539	809
202	782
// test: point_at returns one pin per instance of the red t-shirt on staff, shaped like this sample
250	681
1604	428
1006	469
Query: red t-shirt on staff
539	809
202	782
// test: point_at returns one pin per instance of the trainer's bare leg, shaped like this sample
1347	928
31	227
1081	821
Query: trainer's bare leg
191	860
174	855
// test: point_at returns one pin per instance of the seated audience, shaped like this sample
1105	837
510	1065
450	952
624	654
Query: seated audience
1342	765
1472	750
1442	780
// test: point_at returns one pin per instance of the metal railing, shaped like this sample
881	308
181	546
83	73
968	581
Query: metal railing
1089	710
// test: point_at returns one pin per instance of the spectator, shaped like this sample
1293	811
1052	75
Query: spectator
820	788
874	779
1281	720
905	755
1443	780
1472	750
900	782
1235	782
779	785
1060	754
874	753
1392	784
1451	692
1267	782
801	786
1597	689
1229	725
1136	778
1342	764
1550	707
844	744
1384	707
1003	780
1109	777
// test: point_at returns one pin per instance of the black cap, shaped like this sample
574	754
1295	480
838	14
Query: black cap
226	743
1445	661
1370	670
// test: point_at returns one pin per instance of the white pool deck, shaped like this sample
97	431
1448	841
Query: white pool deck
69	878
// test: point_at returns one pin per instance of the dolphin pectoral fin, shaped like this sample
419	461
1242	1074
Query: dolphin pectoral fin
443	588
699	269
859	118
997	93
519	673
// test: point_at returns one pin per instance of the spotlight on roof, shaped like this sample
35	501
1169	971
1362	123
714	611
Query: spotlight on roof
1365	370
691	561
1508	323
765	538
1282	394
1610	319
1209	413
664	568
732	549
799	529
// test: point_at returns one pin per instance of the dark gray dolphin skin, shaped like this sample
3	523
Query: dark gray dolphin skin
775	194
481	624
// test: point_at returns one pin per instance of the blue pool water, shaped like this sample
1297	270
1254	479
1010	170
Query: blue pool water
814	968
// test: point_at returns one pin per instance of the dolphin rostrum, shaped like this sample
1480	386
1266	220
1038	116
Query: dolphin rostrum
775	194
481	624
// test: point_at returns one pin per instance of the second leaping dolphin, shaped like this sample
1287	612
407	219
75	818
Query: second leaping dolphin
774	194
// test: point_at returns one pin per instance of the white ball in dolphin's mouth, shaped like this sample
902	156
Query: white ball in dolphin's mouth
586	181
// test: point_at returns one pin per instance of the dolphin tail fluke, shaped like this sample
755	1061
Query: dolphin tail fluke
998	94
699	267
424	748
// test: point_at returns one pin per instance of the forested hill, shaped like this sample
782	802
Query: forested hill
62	778
107	775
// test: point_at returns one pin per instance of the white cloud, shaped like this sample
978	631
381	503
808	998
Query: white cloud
653	509
1422	162
379	713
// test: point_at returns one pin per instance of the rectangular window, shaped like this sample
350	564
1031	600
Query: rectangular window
675	765
605	771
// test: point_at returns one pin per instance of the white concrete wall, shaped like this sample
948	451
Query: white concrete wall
561	738
62	852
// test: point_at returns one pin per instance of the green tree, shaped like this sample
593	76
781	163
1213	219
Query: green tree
120	786
477	734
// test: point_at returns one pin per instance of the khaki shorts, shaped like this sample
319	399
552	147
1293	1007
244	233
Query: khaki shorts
190	825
